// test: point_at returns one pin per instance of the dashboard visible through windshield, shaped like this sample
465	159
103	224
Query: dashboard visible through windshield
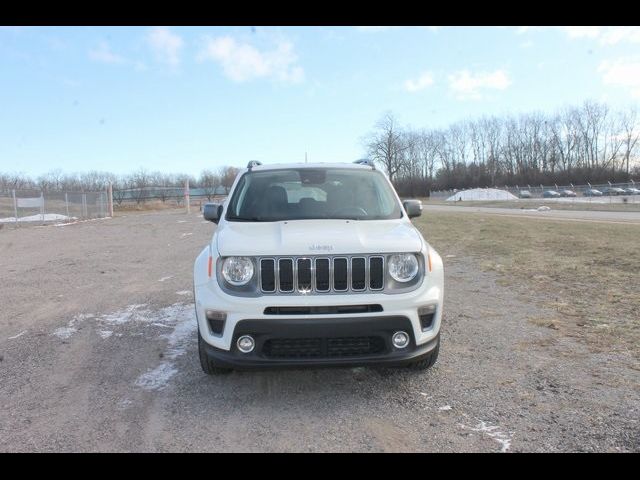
297	194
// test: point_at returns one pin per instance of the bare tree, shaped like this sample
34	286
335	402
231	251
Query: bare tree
386	145
630	134
210	182
227	176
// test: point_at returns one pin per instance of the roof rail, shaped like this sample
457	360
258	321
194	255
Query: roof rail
366	161
253	163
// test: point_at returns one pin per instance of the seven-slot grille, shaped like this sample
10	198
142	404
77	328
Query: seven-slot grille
321	274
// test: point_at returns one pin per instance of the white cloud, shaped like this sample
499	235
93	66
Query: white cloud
614	35
242	61
622	72
582	32
423	81
604	35
102	53
166	45
467	85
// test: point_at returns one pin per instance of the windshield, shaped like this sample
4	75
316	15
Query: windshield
296	194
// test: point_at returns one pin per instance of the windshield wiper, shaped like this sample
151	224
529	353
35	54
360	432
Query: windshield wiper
245	219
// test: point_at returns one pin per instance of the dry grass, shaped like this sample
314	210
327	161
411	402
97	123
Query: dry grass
587	274
146	206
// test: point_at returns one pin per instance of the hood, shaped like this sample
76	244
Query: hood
317	237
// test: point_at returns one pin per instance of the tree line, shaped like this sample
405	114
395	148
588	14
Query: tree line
139	181
588	143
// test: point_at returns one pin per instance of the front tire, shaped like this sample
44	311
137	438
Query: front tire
428	360
209	365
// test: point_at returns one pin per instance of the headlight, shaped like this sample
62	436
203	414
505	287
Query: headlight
237	271
403	267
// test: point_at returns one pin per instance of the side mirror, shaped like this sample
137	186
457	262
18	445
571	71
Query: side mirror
212	212
413	208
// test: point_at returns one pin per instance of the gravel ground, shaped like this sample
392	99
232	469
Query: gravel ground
98	352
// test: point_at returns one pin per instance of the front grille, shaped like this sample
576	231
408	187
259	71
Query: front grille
307	275
293	348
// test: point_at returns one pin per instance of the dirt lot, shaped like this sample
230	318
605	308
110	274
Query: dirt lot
98	352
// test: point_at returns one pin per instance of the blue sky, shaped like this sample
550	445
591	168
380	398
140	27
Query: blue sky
182	99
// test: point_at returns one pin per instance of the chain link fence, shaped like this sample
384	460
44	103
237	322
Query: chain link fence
590	193
32	207
167	197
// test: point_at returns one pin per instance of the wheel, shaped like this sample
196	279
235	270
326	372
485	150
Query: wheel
428	360
207	363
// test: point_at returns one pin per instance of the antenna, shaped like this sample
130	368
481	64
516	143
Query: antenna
305	157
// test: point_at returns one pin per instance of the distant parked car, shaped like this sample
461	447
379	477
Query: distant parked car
550	194
632	191
613	191
567	193
524	194
592	192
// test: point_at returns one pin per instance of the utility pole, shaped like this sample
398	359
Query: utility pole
187	197
305	157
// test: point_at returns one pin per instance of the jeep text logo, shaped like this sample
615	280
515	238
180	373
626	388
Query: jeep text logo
322	248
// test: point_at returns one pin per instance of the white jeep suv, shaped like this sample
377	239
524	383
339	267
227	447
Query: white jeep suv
316	264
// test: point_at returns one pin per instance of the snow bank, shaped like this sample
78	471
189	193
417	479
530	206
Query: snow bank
481	194
47	217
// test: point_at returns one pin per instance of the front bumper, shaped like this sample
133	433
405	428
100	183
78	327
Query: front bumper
321	342
401	309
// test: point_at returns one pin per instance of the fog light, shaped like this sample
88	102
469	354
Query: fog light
400	339
246	343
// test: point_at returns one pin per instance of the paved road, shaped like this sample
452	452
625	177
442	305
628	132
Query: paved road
98	353
574	215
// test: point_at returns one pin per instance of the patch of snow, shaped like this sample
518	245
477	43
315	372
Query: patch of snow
541	208
79	221
165	278
444	408
494	432
184	292
186	234
477	194
65	332
70	329
47	217
81	317
182	316
182	221
132	313
18	335
158	378
105	333
179	318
